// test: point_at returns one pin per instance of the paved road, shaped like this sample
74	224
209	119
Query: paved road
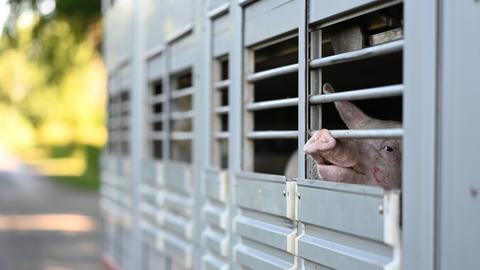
45	225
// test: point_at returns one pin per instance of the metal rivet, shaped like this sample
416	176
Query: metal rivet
284	193
299	196
380	209
473	191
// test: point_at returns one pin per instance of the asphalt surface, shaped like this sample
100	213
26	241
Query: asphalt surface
45	225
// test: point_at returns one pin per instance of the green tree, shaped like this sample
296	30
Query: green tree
53	81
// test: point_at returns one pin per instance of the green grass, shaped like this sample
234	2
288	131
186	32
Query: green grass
90	179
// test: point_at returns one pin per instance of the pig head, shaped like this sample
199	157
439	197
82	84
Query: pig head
360	161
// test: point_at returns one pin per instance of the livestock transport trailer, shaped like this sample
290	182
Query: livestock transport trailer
211	101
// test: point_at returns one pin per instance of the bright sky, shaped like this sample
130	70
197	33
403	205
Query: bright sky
4	11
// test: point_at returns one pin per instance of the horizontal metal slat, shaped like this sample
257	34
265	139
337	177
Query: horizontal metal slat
222	110
270	234
181	115
222	85
179	226
377	92
175	94
393	133
390	47
339	256
178	203
216	215
181	136
262	135
255	259
179	250
179	34
157	117
157	135
216	241
272	104
148	213
151	53
156	99
262	75
211	262
222	135
218	11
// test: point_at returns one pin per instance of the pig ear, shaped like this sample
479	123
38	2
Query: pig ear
353	117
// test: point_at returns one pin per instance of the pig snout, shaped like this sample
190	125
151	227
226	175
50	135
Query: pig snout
320	142
325	149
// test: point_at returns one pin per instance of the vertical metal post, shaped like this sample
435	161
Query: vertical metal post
419	105
303	41
199	147
303	85
136	133
167	90
210	121
235	121
248	149
315	83
458	197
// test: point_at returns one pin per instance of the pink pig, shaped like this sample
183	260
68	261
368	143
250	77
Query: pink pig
359	161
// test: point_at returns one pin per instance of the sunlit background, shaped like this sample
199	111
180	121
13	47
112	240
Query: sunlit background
52	87
52	106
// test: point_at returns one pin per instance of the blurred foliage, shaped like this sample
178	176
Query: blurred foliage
52	84
79	14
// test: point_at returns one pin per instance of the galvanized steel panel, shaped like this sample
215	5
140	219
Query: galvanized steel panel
178	203
341	256
127	76
264	194
125	167
222	35
180	14
149	172
350	212
216	215
263	222
160	174
349	226
178	177
213	4
179	225
270	234
210	262
267	18
459	183
216	185
254	256
119	26
216	241
155	67
179	250
183	53
154	22
322	9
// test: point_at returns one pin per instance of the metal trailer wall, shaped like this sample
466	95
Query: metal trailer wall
162	213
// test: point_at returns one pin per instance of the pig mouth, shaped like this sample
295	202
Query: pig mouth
332	171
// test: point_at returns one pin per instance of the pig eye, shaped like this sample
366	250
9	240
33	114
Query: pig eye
388	148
